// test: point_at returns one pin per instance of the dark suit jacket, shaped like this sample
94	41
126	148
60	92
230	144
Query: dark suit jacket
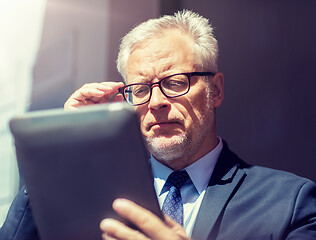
242	202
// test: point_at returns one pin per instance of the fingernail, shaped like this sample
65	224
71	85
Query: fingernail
105	223
120	203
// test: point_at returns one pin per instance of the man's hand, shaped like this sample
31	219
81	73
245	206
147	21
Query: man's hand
151	226
94	93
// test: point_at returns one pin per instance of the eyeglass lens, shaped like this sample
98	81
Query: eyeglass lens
172	86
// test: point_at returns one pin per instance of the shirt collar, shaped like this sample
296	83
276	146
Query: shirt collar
200	171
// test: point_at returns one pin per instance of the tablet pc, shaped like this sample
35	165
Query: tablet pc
75	163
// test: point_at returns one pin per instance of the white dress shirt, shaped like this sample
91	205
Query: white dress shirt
192	192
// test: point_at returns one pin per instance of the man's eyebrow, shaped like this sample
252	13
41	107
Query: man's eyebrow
141	77
167	68
145	77
142	74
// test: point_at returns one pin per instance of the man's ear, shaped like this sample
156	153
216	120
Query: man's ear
218	89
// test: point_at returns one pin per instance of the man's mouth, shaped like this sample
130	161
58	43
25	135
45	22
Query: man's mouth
158	125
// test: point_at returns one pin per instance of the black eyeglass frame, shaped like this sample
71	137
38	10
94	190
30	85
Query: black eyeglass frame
188	75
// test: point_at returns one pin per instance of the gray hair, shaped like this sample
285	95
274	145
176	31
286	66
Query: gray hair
196	26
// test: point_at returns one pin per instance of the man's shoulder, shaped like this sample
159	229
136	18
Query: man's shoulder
275	174
19	223
284	202
277	179
265	176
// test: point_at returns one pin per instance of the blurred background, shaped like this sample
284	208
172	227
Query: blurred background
49	48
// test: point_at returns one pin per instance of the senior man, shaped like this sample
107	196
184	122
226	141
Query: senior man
170	67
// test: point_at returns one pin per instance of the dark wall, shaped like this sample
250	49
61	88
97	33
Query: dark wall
268	56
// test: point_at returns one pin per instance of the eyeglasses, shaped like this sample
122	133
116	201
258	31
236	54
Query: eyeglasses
172	86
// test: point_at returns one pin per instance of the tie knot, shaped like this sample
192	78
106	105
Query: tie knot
177	179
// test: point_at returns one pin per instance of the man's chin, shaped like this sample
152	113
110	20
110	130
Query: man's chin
166	141
167	148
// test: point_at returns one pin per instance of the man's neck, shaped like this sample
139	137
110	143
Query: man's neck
185	161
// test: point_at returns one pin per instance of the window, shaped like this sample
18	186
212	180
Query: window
20	29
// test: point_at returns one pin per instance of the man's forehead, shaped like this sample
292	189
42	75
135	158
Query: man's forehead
167	37
146	74
160	54
151	73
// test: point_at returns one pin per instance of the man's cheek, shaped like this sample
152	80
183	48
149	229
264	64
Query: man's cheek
141	115
143	129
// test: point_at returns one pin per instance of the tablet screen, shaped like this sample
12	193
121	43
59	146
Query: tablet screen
76	163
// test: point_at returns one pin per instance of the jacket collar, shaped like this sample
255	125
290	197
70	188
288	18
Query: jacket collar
226	179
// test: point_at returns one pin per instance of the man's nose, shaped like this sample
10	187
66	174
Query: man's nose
158	99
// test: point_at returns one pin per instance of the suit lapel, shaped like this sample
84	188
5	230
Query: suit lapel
228	175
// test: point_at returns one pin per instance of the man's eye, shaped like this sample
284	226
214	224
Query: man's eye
140	91
174	84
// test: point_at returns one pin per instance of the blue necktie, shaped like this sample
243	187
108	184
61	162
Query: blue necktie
172	205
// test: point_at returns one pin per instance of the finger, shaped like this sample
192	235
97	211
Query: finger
118	98
106	236
97	90
79	99
113	229
145	220
104	85
87	93
176	227
73	104
111	93
170	222
92	93
114	85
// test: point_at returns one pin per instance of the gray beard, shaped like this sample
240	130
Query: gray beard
168	152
